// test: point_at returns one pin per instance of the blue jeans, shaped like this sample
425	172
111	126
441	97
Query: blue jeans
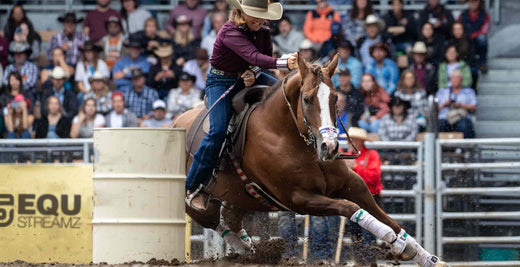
481	49
323	237
464	126
25	135
371	127
206	157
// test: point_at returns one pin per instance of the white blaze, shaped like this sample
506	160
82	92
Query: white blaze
323	98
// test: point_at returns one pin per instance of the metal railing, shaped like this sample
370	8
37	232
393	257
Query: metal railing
45	150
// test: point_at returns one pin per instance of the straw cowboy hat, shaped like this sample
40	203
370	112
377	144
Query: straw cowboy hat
358	133
419	48
165	50
306	44
258	8
373	19
58	73
98	76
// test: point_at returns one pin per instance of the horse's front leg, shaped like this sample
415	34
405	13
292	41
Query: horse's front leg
232	232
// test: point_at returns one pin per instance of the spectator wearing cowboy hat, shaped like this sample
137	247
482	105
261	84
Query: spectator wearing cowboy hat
425	71
18	120
69	39
90	63
158	120
374	28
56	88
399	124
193	12
307	51
28	70
100	92
134	16
384	69
121	73
58	60
164	75
198	67
94	25
120	116
139	97
184	42
112	43
317	26
183	98
347	60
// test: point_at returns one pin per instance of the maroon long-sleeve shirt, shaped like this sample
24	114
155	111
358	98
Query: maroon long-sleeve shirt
236	48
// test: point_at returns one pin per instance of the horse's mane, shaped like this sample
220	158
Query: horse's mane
316	69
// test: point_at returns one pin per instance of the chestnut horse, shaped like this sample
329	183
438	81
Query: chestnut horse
305	178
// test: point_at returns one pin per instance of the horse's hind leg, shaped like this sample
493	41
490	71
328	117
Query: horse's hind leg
231	230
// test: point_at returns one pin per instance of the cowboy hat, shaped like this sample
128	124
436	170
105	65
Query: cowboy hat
90	46
358	133
58	73
397	101
373	19
187	77
132	42
306	44
113	19
69	17
379	45
419	48
258	8
165	50
98	76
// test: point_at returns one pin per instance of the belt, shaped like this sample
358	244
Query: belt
223	73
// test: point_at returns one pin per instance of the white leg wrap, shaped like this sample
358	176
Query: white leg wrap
368	222
241	246
399	244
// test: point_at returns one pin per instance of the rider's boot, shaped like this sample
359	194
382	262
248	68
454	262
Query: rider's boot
406	248
197	199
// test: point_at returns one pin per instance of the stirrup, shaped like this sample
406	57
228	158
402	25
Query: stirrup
190	196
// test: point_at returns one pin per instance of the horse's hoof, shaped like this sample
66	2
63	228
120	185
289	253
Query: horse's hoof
409	252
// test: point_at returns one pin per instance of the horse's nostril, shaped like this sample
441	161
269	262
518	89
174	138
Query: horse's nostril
324	146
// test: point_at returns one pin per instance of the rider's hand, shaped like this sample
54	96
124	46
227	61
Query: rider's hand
249	77
292	62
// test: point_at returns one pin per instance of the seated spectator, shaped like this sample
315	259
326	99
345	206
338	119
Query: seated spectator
399	124
347	60
461	41
121	73
139	97
425	71
307	51
149	37
218	19
25	35
17	119
20	29
87	119
14	88
69	39
158	120
164	75
384	69
58	60
193	12
28	70
113	42
56	88
120	116
318	22
184	42
476	23
354	19
350	99
53	124
4	54
451	63
401	26
289	39
375	103
198	67
133	16
89	64
183	98
95	20
374	34
100	92
408	90
455	105
434	43
438	16
220	6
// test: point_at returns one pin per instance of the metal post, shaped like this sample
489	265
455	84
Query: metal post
418	195
429	191
85	153
438	166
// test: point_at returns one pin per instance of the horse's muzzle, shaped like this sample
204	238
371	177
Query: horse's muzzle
328	149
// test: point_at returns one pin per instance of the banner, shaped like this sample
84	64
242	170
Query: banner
46	213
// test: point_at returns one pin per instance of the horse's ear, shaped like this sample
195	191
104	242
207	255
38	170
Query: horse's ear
302	65
333	65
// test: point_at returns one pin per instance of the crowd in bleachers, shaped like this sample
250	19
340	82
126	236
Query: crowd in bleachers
122	69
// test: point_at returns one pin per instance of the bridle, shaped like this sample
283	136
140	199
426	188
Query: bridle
310	138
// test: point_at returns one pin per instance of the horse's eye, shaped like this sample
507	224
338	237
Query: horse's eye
335	98
307	100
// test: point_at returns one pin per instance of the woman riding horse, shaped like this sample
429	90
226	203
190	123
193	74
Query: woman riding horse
242	48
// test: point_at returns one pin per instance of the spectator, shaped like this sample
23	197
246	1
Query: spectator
218	19
20	29
425	71
164	75
158	120
133	16
25	34
193	12
183	98
289	39
348	61
439	17
120	116
451	63
374	34
368	166
14	88
53	124
56	88
375	103
455	105
384	69
149	37
184	42
318	22
220	6
198	67
87	119
476	23
350	99
58	60
4	53
17	119
89	64
139	97
307	51
28	70
113	42
399	124
401	26
95	21
353	21
69	39
462	43
408	89
100	92
121	73
434	43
